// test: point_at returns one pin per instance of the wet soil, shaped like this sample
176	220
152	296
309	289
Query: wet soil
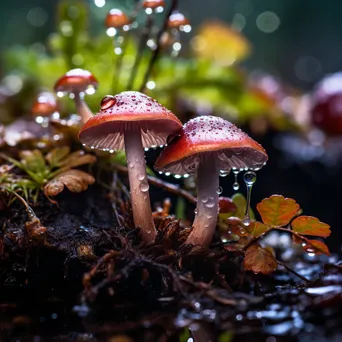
89	279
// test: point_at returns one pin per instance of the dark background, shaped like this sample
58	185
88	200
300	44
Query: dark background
297	40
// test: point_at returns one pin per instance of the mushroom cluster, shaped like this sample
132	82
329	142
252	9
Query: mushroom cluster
205	146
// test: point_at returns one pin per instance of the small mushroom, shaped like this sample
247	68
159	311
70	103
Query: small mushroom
44	108
153	5
77	83
116	19
205	146
132	121
177	22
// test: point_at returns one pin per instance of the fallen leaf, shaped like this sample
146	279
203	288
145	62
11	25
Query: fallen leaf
309	225
317	247
259	260
277	210
74	180
256	228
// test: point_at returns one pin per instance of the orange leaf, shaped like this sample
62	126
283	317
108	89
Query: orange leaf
257	228
259	260
317	247
277	210
308	225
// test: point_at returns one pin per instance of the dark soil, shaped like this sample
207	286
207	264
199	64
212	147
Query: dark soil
89	279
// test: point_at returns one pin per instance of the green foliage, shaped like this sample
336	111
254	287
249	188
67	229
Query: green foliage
40	172
197	80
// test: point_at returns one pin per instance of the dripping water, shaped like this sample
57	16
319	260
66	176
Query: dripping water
236	185
249	178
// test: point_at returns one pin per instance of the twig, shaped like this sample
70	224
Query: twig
143	39
175	189
118	64
208	291
156	52
289	269
299	236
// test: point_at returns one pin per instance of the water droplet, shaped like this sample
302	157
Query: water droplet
236	185
210	203
141	176
205	199
249	178
131	165
144	187
224	173
196	211
219	190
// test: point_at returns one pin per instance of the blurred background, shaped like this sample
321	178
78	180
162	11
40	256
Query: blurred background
296	40
294	43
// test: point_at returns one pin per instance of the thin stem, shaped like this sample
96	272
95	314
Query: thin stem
118	63
289	269
82	108
139	187
207	203
158	49
174	189
143	40
299	236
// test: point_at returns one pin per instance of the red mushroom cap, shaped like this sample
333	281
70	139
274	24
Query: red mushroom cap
116	18
209	134
76	81
153	3
127	111
44	105
176	20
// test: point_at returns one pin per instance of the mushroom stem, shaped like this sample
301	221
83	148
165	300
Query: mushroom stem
82	108
139	187
207	203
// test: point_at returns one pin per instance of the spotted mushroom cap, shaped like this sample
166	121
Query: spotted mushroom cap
76	81
153	3
129	111
44	105
116	18
176	20
232	147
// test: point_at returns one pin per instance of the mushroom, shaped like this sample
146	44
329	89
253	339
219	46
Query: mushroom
132	121
207	145
44	108
116	19
76	83
153	5
177	22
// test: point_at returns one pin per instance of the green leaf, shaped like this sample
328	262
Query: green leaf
57	155
241	203
33	161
